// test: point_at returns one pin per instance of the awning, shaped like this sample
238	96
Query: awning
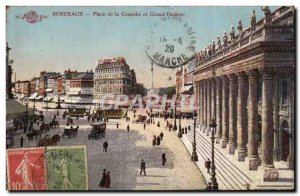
39	98
187	88
48	99
33	96
49	90
73	92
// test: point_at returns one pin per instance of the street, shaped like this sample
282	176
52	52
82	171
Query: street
125	152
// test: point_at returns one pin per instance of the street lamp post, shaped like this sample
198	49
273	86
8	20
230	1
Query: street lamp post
179	131
214	184
194	153
175	125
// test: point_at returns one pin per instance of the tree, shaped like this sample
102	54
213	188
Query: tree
171	91
137	89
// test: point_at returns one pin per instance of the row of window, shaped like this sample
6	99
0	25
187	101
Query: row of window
110	82
108	70
111	76
110	90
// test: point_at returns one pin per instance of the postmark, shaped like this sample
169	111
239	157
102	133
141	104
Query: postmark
26	169
67	168
171	43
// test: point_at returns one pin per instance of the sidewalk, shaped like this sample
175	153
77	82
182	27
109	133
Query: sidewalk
231	174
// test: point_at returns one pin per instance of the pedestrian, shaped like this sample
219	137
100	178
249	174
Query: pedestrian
107	179
189	127
21	141
77	117
128	128
163	158
158	140
143	167
102	182
207	165
161	135
185	130
144	125
158	124
117	125
154	141
105	146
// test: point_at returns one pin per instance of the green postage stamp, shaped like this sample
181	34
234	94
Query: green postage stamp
67	168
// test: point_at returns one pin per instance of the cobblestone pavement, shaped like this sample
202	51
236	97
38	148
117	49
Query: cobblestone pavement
124	155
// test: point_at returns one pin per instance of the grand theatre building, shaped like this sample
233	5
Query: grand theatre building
248	87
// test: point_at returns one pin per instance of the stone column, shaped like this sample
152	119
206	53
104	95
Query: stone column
218	109
270	174
208	104
204	111
253	120
291	158
233	87
242	116
213	100
199	102
225	111
276	118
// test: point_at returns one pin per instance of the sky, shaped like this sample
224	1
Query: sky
78	42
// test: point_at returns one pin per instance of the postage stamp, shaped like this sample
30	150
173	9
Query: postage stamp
67	168
26	169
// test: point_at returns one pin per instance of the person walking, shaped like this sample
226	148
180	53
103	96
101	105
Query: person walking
163	158
102	182
143	168
128	128
117	125
161	136
107	180
154	141
105	145
158	140
21	141
158	124
207	165
144	125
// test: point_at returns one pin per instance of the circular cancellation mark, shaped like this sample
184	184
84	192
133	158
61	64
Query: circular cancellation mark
171	43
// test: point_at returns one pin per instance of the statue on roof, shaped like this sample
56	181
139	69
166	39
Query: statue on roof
253	21
268	14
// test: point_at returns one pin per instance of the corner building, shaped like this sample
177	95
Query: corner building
112	76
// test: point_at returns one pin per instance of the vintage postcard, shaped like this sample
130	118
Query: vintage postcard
150	98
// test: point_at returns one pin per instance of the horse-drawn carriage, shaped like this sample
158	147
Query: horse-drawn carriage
49	141
70	131
98	130
33	133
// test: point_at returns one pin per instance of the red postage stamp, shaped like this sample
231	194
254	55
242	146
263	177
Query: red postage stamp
26	169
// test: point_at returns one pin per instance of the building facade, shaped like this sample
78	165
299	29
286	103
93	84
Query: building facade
23	88
112	76
248	87
81	88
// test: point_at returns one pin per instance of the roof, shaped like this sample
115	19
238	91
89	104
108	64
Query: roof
14	109
86	76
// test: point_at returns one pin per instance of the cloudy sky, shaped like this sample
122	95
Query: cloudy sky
60	42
